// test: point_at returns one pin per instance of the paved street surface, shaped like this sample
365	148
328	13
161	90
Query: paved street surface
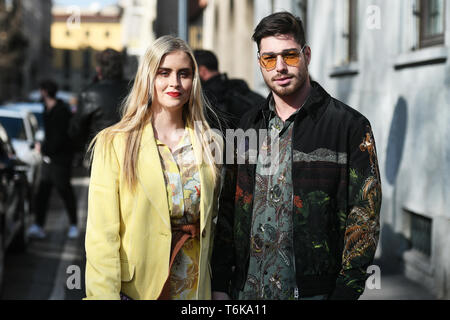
43	271
397	287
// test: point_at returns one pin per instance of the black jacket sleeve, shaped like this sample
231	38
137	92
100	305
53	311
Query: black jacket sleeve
222	260
363	217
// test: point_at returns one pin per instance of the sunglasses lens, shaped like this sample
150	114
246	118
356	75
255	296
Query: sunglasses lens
292	59
268	62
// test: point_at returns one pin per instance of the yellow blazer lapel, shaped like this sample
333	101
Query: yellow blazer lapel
207	186
150	174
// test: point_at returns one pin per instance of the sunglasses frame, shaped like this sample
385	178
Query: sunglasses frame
276	56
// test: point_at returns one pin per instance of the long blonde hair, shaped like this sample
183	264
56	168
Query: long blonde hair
137	111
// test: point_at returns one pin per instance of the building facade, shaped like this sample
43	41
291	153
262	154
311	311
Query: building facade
137	22
389	60
24	46
77	34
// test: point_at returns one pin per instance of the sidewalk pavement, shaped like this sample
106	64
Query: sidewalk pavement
397	287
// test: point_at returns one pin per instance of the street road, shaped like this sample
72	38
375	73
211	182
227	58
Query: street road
40	273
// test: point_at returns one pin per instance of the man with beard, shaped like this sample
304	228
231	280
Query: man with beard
309	228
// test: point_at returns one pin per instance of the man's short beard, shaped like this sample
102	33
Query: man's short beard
301	78
286	91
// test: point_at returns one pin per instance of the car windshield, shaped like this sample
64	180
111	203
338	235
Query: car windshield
14	127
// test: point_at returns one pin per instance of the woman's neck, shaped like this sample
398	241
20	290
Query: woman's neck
168	125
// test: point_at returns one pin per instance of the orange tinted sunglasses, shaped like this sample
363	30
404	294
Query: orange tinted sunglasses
291	57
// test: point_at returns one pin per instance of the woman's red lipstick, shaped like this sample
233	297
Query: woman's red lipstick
174	94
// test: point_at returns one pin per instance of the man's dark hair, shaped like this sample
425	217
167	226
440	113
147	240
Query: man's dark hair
110	62
206	58
277	24
49	86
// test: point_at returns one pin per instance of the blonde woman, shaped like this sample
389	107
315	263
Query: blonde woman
152	194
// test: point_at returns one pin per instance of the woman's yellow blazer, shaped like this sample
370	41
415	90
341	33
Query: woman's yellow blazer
128	234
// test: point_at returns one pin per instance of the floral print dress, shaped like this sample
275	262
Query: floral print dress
183	192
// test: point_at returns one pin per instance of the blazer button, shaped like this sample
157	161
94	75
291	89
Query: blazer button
204	233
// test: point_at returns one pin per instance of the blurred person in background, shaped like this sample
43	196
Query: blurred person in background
57	153
154	187
99	104
230	98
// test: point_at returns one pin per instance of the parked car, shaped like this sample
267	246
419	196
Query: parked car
15	214
21	127
36	108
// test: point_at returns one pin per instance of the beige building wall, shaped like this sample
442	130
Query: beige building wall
77	34
137	25
95	35
228	26
227	30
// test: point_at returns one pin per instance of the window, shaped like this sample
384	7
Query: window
431	20
346	34
353	31
420	233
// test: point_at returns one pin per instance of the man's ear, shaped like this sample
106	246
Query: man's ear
203	72
307	54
